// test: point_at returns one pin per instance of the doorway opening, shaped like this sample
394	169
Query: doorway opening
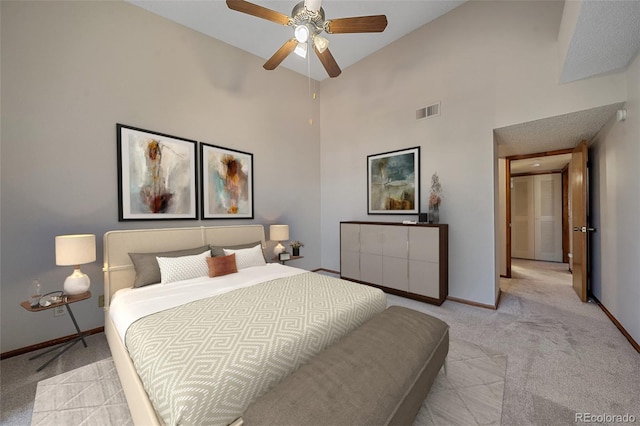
537	207
543	138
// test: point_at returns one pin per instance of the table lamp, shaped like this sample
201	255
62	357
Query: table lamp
75	250
278	233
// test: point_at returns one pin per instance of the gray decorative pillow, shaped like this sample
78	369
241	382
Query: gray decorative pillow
146	264
219	250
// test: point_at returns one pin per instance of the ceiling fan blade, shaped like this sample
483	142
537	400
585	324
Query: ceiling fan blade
328	62
258	11
359	24
280	55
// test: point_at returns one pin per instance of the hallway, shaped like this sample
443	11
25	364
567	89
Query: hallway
550	275
549	284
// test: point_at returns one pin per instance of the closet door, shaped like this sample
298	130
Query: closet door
522	217
548	213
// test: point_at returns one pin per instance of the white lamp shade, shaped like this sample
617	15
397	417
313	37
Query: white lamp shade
279	232
301	50
75	249
321	43
301	33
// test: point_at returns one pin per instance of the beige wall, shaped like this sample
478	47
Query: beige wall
492	64
615	209
70	72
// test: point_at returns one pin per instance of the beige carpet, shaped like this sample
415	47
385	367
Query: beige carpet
470	393
564	357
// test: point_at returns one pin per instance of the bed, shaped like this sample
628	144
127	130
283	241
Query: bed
314	311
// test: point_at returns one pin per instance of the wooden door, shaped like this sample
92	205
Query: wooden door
579	223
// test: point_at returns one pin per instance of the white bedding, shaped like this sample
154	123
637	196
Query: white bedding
130	304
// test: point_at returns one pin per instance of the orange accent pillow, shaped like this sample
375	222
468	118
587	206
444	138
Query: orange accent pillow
222	265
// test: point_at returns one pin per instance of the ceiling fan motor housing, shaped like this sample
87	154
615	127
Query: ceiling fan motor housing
314	21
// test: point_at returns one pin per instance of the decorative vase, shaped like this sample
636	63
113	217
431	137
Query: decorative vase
434	213
296	251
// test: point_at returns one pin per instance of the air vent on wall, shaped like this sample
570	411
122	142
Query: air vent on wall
428	111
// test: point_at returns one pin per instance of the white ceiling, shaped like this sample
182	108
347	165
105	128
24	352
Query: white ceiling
606	39
553	133
263	38
552	163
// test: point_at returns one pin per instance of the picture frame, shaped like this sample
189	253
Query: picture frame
226	177
284	256
157	175
393	182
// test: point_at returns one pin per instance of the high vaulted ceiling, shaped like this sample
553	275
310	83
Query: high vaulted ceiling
604	38
263	38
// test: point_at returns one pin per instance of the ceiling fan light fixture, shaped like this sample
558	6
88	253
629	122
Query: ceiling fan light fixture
301	50
301	33
321	43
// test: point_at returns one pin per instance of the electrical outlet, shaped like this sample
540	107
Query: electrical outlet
101	301
58	311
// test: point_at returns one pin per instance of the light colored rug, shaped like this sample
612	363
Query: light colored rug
89	395
470	393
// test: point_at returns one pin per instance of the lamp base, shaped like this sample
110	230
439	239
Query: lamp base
279	248
76	283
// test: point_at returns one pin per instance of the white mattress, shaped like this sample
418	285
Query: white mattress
130	304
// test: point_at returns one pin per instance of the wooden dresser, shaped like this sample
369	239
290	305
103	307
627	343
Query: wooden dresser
407	260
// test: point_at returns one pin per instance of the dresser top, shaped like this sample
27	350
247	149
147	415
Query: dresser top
432	225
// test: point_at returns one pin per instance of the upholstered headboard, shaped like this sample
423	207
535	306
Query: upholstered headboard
118	268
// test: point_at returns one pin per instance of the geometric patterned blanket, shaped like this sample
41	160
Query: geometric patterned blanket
204	362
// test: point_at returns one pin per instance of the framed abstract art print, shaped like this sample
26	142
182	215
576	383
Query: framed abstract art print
226	183
157	177
393	182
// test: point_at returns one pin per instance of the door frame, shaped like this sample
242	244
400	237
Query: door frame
508	161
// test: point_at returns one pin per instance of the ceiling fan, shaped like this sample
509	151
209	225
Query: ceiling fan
307	20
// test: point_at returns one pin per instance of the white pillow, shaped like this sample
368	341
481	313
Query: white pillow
247	257
183	268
